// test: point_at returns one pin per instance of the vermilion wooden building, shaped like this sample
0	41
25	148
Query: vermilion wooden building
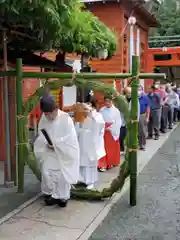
115	15
163	57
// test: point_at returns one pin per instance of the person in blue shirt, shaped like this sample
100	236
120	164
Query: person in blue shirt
143	119
155	113
123	130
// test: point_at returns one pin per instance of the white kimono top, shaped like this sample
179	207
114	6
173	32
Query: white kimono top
100	134
112	115
65	156
90	135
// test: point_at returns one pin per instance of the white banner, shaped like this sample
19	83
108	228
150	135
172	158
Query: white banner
69	96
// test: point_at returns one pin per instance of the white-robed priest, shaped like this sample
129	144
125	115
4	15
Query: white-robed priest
90	135
60	161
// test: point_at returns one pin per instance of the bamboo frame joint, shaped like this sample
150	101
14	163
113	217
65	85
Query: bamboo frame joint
20	116
134	121
132	149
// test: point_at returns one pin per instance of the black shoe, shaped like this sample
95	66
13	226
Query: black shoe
50	201
81	184
170	127
102	169
142	148
46	197
62	203
162	131
156	138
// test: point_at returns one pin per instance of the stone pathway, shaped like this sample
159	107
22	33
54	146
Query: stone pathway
10	199
78	220
157	214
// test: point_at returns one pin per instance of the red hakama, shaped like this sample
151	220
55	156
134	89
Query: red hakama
35	113
112	148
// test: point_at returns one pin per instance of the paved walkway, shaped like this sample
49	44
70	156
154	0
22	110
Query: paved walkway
78	220
10	199
157	214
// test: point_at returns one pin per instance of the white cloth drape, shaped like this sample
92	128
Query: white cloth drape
112	115
63	162
91	142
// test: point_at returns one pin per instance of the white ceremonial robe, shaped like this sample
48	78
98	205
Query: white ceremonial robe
90	136
100	149
59	168
112	115
113	123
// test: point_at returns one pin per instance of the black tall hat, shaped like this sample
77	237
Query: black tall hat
47	104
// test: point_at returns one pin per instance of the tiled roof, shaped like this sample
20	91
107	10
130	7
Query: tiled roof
141	7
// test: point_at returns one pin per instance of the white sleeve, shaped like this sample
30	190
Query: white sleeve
68	143
102	129
177	100
67	149
77	128
40	125
98	129
115	128
118	122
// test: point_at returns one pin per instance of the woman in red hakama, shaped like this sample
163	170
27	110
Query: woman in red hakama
112	119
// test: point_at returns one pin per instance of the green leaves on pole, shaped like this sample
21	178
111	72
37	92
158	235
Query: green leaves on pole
20	127
133	131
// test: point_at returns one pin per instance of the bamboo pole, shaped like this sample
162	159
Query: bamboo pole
134	132
152	75
20	126
9	73
90	76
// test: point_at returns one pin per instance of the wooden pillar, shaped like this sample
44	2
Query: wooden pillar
2	125
121	46
146	69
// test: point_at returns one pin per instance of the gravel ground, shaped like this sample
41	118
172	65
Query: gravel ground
157	214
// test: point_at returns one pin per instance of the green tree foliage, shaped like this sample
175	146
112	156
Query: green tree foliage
169	23
54	24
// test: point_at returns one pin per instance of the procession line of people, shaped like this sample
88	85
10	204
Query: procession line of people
73	152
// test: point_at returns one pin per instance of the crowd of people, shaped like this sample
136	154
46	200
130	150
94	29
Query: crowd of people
72	152
159	110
